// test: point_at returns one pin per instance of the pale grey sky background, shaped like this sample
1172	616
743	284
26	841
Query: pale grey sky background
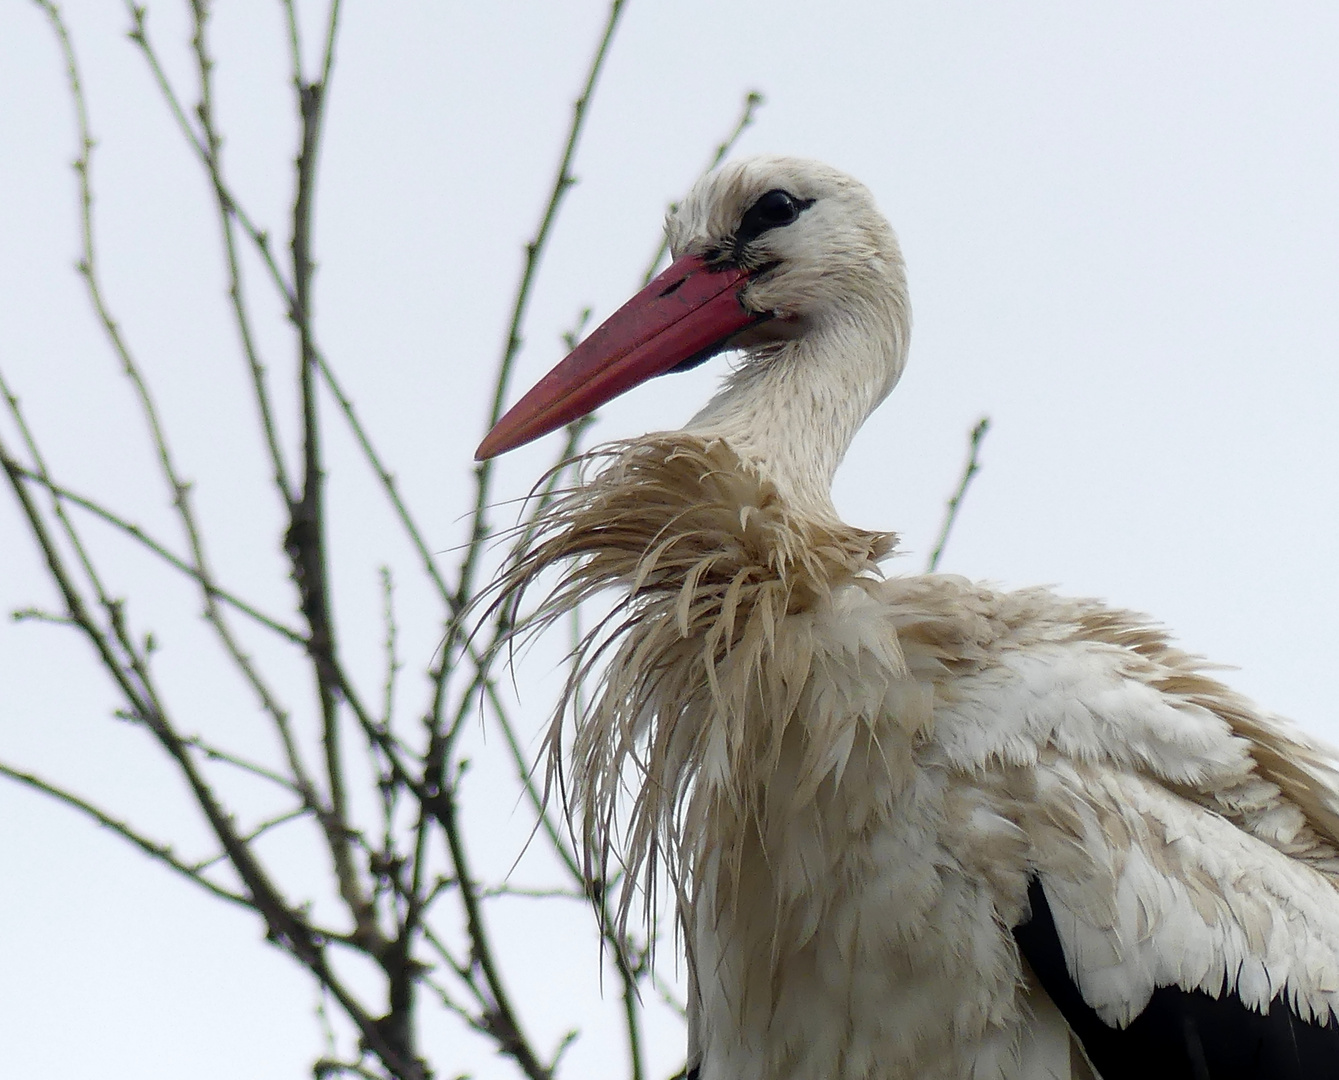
1121	223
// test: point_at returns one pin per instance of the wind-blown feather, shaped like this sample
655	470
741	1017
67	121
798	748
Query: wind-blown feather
711	562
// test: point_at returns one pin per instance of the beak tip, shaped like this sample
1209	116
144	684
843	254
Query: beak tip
501	439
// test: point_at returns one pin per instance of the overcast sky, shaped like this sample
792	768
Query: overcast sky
1122	234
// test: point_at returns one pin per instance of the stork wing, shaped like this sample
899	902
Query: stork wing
1180	1033
1184	914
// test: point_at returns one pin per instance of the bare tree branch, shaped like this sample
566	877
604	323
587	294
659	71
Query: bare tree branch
226	757
259	237
179	489
160	852
753	101
138	534
209	146
973	466
389	486
501	1018
399	854
563	181
256	833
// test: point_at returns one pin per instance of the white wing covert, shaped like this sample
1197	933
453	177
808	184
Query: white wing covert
1180	840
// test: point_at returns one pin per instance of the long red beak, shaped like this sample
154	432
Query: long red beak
689	309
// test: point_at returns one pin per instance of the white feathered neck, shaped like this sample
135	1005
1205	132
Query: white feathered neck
835	286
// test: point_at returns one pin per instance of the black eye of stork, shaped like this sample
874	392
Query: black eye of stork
772	210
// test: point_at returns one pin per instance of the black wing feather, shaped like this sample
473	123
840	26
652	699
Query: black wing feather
1181	1034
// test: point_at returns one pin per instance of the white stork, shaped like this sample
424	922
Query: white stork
916	827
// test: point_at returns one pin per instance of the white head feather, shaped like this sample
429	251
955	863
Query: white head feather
837	344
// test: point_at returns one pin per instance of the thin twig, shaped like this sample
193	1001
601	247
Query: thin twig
255	834
393	662
323	1021
753	101
16	471
328	50
562	183
503	1022
972	467
162	853
305	540
564	1044
120	659
32	614
326	1068
294	40
259	237
389	486
137	533
556	837
227	757
667	995
179	489
497	892
210	148
387	788
458	968
451	1005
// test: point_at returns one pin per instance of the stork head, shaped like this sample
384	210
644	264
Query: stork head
768	252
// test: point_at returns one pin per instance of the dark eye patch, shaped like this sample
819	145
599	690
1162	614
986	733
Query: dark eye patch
771	211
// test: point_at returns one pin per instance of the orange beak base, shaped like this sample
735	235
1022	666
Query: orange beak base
688	310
